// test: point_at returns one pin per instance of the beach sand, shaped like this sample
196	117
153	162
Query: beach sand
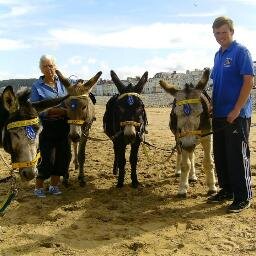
100	219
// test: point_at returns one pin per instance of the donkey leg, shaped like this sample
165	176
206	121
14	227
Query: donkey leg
120	156
178	164
192	171
133	162
115	166
185	167
81	161
208	165
75	161
65	179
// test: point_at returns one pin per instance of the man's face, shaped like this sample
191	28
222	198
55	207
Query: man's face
223	36
48	68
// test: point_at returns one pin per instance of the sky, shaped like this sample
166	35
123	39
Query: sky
127	36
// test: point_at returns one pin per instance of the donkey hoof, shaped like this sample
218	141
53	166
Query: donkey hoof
82	183
135	184
65	183
119	185
211	192
183	195
177	174
192	180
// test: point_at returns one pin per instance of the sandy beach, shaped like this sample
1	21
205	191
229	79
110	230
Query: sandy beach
100	219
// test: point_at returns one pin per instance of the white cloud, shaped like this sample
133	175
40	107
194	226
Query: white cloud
9	44
75	60
15	9
154	36
92	61
216	13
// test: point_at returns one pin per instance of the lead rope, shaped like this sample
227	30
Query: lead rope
13	190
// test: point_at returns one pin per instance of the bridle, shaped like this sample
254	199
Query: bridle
187	111
139	126
78	122
24	123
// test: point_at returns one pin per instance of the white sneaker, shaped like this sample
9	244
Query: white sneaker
54	190
39	192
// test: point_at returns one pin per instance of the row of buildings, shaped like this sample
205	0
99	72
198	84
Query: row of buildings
107	87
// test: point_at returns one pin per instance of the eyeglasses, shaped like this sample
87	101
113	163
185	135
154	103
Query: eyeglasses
48	66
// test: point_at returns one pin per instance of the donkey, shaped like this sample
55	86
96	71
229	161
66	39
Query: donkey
81	114
189	122
20	128
124	123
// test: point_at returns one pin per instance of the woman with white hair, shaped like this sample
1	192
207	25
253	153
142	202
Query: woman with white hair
53	141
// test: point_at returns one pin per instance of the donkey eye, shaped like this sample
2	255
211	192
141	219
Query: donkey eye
122	110
139	110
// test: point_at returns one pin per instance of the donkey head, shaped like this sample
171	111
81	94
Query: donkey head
186	116
130	110
21	128
79	106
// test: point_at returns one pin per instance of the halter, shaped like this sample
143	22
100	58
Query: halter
25	123
77	121
128	94
187	112
136	124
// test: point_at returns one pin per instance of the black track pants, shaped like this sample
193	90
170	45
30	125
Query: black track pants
232	156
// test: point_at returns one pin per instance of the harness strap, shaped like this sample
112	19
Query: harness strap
76	122
23	123
188	101
202	133
128	94
136	124
28	163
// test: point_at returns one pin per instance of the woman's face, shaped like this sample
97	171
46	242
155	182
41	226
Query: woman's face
48	68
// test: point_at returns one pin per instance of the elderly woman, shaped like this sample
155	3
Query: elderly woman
53	141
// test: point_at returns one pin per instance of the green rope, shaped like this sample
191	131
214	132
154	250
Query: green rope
7	202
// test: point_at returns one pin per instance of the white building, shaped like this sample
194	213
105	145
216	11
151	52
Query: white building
107	87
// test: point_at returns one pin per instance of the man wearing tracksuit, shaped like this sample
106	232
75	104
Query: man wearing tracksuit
232	76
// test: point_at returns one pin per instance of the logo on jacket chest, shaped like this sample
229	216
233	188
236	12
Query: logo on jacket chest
227	62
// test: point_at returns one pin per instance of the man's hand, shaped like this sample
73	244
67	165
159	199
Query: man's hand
233	115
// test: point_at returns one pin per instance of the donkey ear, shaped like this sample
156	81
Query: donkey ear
63	79
10	100
119	85
168	88
205	77
139	86
89	84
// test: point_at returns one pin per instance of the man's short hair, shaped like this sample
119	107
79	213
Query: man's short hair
222	20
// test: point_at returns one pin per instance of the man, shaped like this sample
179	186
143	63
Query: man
232	76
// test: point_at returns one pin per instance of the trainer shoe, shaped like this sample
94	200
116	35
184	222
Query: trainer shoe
39	192
54	190
220	197
238	206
